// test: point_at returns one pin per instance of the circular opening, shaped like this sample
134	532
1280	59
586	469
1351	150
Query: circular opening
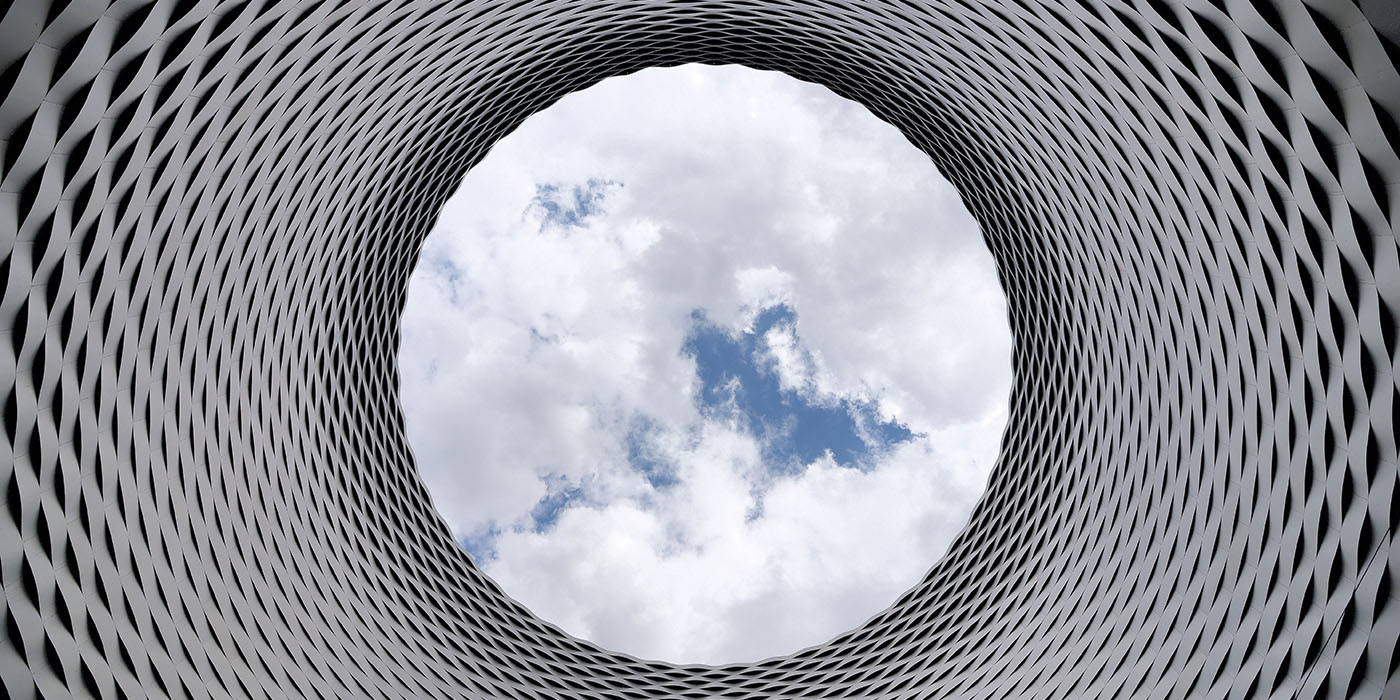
705	364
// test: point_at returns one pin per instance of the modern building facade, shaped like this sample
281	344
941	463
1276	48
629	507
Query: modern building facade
209	210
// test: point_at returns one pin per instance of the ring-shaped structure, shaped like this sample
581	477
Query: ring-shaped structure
211	208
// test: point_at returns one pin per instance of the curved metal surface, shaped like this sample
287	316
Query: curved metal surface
210	210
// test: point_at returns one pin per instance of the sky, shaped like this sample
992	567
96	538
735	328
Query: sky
705	364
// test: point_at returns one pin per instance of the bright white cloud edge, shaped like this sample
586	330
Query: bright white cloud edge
739	189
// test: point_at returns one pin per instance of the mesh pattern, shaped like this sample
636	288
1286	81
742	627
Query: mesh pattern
210	210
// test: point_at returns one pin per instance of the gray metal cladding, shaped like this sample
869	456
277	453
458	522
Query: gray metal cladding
210	210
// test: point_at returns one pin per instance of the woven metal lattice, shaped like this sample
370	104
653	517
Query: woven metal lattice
209	210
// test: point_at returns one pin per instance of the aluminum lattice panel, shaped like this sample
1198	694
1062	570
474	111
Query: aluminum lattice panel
210	211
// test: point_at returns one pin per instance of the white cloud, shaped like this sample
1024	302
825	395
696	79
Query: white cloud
530	354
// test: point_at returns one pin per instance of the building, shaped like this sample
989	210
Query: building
209	211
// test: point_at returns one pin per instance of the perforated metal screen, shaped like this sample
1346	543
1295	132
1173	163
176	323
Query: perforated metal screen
208	215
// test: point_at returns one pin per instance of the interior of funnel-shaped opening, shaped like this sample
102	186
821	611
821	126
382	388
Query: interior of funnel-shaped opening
705	364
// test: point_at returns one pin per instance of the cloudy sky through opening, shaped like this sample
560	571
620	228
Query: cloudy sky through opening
705	364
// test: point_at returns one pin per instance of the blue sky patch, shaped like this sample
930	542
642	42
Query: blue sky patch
738	381
560	496
482	544
569	207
